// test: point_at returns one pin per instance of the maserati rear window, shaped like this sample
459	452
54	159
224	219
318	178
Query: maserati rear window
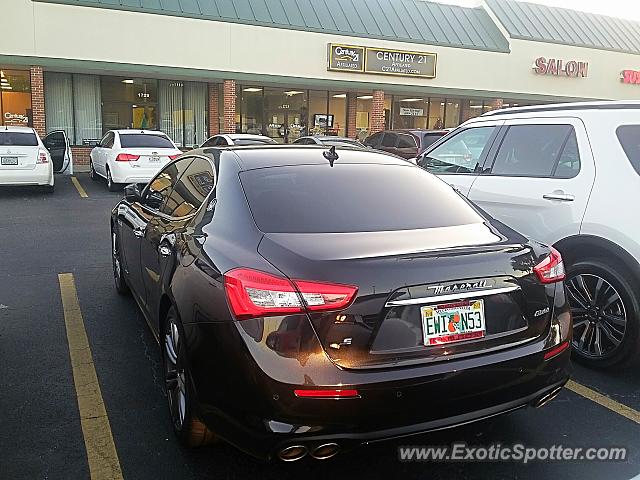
351	198
18	139
144	140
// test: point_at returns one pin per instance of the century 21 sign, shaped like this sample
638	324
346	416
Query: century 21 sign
349	58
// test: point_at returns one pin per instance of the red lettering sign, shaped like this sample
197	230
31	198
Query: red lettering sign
631	77
557	67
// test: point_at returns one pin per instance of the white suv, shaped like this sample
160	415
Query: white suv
569	176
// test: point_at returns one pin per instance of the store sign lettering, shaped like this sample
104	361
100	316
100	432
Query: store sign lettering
346	58
349	58
411	112
631	77
15	118
557	67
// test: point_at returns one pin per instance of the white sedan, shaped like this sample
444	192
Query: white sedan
130	156
24	160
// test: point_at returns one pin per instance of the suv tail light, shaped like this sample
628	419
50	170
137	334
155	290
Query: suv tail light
252	293
127	157
173	157
42	158
551	269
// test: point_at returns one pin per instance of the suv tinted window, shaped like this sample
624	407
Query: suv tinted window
160	187
21	139
406	141
430	138
373	140
461	153
389	140
629	138
144	140
321	199
532	150
191	189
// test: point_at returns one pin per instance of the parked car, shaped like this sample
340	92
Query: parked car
566	175
130	156
308	302
329	141
225	140
26	160
404	143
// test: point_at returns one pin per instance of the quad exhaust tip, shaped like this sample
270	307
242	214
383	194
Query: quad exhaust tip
547	398
325	451
292	453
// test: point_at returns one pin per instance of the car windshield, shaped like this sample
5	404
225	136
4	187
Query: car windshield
145	140
253	141
18	139
322	199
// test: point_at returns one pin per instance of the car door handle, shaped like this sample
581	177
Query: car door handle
562	197
164	250
138	232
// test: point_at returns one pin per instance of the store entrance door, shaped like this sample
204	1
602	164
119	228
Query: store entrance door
284	125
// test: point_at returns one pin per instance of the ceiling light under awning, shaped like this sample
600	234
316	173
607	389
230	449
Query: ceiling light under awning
127	80
412	100
365	97
293	92
252	90
340	95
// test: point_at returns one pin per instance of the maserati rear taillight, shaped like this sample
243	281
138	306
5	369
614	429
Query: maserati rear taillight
252	293
551	269
173	157
127	157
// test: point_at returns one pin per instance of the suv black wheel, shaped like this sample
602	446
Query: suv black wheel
605	312
118	271
191	432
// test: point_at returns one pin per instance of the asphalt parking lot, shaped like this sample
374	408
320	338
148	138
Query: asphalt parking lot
41	435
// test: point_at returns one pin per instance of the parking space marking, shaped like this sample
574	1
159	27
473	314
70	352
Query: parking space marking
79	187
604	401
98	439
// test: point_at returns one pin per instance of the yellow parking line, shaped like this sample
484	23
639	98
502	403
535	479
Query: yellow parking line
604	401
98	440
81	190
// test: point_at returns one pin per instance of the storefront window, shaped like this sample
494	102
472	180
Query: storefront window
170	104
251	110
58	103
87	109
452	114
319	120
195	113
15	99
129	103
436	113
363	114
471	109
410	112
337	114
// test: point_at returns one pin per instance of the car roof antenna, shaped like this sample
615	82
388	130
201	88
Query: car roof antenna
331	155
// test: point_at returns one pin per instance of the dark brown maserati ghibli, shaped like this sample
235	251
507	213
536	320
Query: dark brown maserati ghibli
309	300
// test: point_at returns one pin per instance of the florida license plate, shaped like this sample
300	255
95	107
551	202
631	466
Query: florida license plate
453	322
9	160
